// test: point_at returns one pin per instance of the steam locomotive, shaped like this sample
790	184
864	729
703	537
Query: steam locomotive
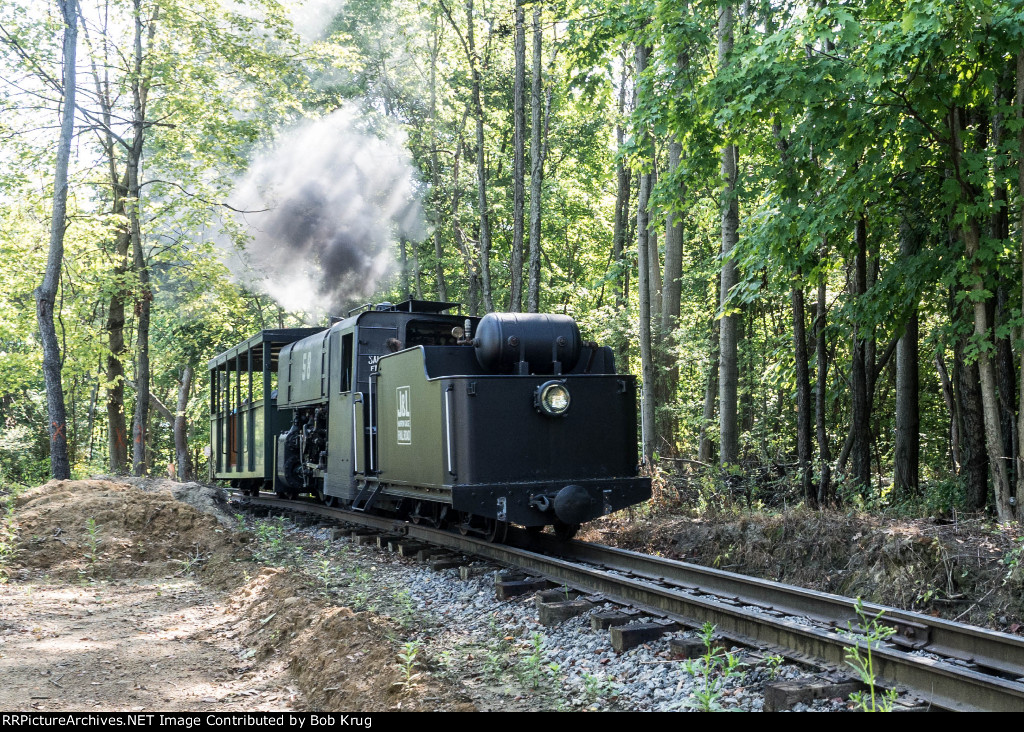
407	409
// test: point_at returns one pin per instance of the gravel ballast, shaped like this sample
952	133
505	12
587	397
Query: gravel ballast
506	660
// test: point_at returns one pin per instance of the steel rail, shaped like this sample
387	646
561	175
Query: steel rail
999	652
751	611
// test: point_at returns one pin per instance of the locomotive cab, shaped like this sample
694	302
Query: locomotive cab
329	383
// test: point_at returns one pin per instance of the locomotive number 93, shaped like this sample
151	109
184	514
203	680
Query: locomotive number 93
408	410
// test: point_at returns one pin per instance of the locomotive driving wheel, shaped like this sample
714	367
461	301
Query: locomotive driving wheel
489	529
428	513
495	531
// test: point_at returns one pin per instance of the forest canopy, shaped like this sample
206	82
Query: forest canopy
801	223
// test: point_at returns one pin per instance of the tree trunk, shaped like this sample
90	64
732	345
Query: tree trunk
908	418
986	369
803	393
1020	192
435	174
143	302
653	255
949	396
705	446
46	293
671	289
999	229
417	272
538	150
670	305
644	286
481	169
518	157
403	266
974	468
461	240
93	398
117	427
825	495
860	409
804	449
620	232
184	460
1007	377
728	375
144	296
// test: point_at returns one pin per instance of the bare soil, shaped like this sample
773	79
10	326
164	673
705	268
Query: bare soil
126	597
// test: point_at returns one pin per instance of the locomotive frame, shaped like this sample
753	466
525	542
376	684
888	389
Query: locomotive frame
400	409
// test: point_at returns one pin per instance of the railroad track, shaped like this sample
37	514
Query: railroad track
949	665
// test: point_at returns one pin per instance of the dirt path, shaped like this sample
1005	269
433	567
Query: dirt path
130	646
103	609
143	595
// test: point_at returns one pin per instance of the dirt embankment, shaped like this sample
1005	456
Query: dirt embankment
103	530
341	659
968	570
143	595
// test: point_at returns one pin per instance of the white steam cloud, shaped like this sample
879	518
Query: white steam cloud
325	206
311	17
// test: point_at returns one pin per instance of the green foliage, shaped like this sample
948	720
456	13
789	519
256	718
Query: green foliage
597	687
325	570
842	113
404	609
92	540
942	496
1013	560
773	663
225	78
531	670
711	672
407	659
861	659
360	594
272	545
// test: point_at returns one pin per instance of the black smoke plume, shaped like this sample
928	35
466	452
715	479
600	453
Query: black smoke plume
324	208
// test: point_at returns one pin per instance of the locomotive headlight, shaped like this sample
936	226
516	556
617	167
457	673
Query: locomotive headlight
552	398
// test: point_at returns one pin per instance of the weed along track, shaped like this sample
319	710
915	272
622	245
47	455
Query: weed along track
622	629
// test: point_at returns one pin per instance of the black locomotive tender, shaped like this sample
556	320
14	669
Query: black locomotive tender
405	409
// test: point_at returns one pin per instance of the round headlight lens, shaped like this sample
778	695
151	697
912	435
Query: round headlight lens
553	398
